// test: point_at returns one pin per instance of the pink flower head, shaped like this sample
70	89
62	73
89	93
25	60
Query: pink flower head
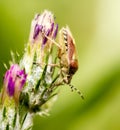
14	80
43	26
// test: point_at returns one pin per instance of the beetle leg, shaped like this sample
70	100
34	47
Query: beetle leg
52	65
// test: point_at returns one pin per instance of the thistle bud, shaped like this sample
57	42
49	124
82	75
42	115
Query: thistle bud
42	27
14	81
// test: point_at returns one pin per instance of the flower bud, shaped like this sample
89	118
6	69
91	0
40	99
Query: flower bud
14	81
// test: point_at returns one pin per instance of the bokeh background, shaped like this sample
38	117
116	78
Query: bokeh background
95	25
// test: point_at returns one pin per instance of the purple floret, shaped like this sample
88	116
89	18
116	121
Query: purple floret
45	38
55	32
38	28
11	86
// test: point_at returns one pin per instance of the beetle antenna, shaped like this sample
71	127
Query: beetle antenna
73	88
57	44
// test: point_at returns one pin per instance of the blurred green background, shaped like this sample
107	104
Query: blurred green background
95	25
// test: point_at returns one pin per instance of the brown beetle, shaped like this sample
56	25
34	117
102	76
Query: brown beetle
68	57
67	54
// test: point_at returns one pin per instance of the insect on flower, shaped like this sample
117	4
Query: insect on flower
68	58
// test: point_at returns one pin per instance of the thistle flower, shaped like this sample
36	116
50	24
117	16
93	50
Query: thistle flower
14	81
45	69
42	27
43	32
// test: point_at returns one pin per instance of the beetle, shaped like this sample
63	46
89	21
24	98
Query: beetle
67	54
68	62
68	57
